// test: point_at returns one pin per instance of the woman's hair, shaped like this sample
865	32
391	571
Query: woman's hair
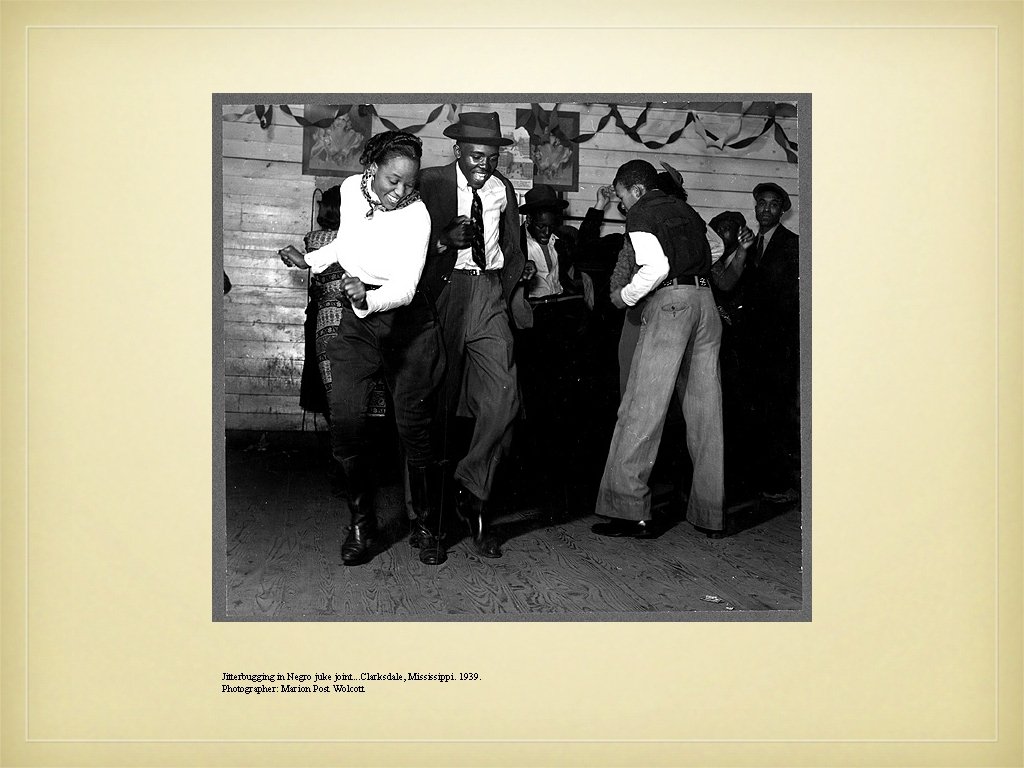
387	144
329	215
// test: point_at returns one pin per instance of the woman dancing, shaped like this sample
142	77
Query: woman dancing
387	327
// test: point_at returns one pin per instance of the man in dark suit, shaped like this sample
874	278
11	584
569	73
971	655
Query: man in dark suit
770	289
473	272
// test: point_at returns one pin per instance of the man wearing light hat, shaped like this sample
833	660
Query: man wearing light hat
473	271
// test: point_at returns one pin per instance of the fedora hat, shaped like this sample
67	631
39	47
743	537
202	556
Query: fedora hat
478	128
542	198
771	186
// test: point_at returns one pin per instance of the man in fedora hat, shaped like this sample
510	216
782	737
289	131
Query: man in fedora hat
770	287
541	244
473	272
549	352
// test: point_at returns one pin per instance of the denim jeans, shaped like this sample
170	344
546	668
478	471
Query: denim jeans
680	336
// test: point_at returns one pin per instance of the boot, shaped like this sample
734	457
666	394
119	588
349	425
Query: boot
358	545
425	486
471	510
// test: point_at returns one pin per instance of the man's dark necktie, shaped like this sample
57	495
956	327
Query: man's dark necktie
476	217
758	249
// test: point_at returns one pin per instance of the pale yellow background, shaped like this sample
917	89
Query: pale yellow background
913	656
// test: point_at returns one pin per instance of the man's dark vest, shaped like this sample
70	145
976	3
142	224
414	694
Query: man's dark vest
680	230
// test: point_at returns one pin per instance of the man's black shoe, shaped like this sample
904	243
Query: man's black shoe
711	533
619	528
471	510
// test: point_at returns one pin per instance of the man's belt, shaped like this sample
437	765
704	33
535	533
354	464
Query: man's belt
699	280
474	270
534	300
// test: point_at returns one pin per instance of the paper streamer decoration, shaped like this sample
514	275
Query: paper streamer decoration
541	117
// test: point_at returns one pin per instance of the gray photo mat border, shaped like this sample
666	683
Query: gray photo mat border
219	484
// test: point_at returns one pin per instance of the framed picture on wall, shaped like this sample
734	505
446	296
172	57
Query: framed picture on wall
514	161
333	148
556	159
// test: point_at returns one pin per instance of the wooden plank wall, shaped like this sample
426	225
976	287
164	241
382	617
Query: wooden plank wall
267	203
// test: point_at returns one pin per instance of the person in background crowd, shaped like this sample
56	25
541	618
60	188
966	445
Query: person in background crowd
387	327
596	254
677	350
550	255
624	270
770	287
549	354
595	395
732	228
473	274
737	379
326	299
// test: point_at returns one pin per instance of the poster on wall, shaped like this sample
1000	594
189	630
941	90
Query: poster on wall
334	150
515	162
556	158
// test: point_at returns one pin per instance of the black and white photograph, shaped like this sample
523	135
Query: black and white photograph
581	393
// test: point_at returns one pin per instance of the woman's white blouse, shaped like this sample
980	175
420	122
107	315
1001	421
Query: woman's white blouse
388	250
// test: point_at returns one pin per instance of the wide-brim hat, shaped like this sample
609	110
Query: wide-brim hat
542	198
478	128
734	217
771	186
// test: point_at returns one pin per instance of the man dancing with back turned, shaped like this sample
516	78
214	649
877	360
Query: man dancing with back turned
677	350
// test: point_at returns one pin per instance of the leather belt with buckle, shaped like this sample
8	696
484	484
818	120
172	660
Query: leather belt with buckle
699	281
537	300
